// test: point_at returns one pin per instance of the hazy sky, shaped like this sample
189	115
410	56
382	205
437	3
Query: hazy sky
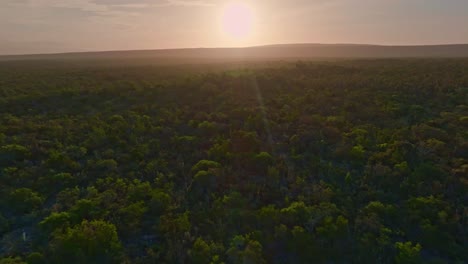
43	26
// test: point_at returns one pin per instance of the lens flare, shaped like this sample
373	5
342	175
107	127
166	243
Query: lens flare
237	21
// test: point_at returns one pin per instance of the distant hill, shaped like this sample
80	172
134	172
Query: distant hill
270	52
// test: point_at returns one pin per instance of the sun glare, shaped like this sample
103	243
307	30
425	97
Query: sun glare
237	21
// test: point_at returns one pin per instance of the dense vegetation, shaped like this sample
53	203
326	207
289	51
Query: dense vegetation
320	162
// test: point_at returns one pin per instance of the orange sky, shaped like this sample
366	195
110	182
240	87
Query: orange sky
43	26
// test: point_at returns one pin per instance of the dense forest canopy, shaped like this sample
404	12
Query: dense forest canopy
357	161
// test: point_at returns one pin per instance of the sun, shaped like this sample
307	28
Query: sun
237	21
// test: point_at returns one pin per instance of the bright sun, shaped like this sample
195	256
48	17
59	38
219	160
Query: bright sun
237	21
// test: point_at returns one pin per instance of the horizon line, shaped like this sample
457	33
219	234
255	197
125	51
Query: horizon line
235	47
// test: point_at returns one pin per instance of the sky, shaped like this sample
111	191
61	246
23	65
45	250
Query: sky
51	26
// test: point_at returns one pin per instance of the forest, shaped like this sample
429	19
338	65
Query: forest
338	161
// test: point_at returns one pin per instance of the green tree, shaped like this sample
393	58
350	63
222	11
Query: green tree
89	242
25	200
12	260
244	250
407	253
35	258
201	252
55	221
